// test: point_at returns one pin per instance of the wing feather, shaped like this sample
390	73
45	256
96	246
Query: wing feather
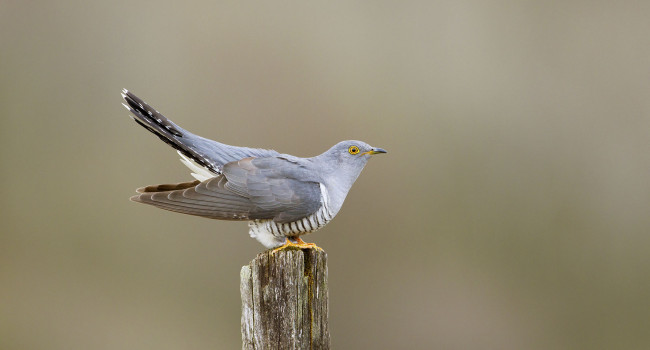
215	203
275	186
247	189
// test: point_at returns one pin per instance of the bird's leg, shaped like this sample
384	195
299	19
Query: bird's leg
303	244
300	244
285	245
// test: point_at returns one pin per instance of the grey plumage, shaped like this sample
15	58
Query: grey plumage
282	196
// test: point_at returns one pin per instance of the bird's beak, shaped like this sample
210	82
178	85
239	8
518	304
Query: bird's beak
375	150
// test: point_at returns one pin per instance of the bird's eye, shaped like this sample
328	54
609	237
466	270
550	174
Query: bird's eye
353	149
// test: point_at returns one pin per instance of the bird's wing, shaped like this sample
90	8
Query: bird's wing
251	188
208	154
209	199
276	186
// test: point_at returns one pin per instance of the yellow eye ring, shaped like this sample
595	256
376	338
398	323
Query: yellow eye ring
353	150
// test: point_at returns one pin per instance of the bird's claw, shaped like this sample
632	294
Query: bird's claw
300	244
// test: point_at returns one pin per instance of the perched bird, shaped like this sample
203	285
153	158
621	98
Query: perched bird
281	196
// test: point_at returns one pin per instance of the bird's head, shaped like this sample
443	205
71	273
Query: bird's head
352	155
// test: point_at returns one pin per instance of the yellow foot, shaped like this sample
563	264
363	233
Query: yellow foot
300	244
303	244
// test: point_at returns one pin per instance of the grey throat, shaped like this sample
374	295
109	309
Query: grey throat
281	196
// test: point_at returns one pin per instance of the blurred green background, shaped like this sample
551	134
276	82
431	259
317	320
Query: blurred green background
510	213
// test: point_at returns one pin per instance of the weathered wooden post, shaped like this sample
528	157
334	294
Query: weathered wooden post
284	300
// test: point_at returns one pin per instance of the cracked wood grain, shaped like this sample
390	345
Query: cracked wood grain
284	300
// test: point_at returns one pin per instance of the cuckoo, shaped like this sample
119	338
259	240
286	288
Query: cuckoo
281	196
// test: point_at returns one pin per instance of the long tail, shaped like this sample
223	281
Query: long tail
185	142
